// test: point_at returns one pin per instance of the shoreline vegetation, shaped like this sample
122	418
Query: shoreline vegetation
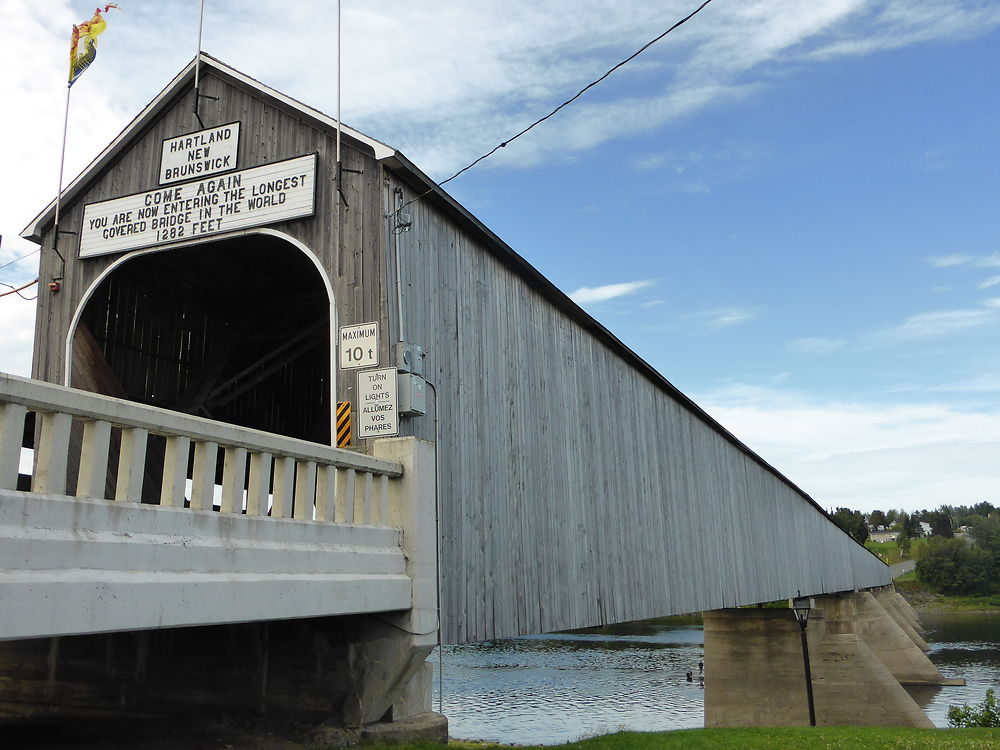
787	738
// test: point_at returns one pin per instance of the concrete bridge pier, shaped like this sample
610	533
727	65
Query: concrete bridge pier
754	672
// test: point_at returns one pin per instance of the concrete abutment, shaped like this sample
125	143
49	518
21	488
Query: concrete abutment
860	656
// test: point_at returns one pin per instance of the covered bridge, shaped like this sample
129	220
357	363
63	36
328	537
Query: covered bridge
216	267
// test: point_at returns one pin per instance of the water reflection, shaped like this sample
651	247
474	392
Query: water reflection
558	688
963	644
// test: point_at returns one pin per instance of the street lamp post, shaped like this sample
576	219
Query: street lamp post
800	607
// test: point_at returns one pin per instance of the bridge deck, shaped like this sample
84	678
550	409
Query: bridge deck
249	526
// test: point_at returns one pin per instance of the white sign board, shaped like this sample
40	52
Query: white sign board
249	198
359	346
199	154
378	415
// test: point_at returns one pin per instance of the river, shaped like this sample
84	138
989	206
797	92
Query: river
558	688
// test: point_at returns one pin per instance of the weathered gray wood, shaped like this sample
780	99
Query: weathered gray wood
577	487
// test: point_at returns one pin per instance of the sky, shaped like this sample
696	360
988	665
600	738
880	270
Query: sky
790	209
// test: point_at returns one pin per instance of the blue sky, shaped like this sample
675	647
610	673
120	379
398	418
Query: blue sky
789	209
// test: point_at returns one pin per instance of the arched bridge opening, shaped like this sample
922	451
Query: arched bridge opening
236	330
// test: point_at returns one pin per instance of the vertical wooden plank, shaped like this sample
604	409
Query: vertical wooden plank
94	459
131	464
367	498
284	481
11	434
326	488
52	454
305	490
383	500
260	484
345	495
203	477
234	474
175	462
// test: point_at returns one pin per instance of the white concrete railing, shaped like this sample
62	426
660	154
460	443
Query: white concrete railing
287	478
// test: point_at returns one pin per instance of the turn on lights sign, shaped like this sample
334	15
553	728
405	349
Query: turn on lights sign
248	198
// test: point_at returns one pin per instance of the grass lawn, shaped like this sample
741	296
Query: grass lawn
797	738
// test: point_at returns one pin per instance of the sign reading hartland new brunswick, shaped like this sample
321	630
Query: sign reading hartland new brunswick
200	154
191	210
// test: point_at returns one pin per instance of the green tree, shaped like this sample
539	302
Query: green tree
953	567
853	522
904	543
941	524
986	714
876	518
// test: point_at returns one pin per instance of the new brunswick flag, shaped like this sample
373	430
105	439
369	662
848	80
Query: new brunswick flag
85	37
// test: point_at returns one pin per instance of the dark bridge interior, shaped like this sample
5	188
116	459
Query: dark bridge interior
237	331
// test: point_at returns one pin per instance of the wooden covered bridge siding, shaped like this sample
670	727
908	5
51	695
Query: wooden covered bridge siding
576	488
269	132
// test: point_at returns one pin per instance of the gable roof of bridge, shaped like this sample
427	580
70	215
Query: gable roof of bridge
395	161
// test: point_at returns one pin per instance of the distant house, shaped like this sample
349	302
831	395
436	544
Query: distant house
883	536
925	528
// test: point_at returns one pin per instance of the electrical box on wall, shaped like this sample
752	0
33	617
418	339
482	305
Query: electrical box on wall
412	392
410	358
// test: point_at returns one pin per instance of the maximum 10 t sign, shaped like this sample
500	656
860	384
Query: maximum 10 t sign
359	346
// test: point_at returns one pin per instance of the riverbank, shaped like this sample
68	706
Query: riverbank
922	598
214	735
792	738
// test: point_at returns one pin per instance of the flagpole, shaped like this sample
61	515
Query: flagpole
340	189
62	164
197	65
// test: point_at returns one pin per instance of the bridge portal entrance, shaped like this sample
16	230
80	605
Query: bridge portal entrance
236	330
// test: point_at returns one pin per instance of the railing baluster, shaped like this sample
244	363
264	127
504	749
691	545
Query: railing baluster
234	474
367	499
345	494
260	484
326	483
52	455
203	477
131	464
305	490
11	437
175	463
284	480
93	473
383	500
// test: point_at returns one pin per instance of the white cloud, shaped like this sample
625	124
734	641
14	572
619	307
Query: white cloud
17	321
866	454
947	261
990	282
941	323
963	259
723	317
588	295
817	345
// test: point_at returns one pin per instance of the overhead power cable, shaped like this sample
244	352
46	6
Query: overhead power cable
17	290
16	260
577	95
